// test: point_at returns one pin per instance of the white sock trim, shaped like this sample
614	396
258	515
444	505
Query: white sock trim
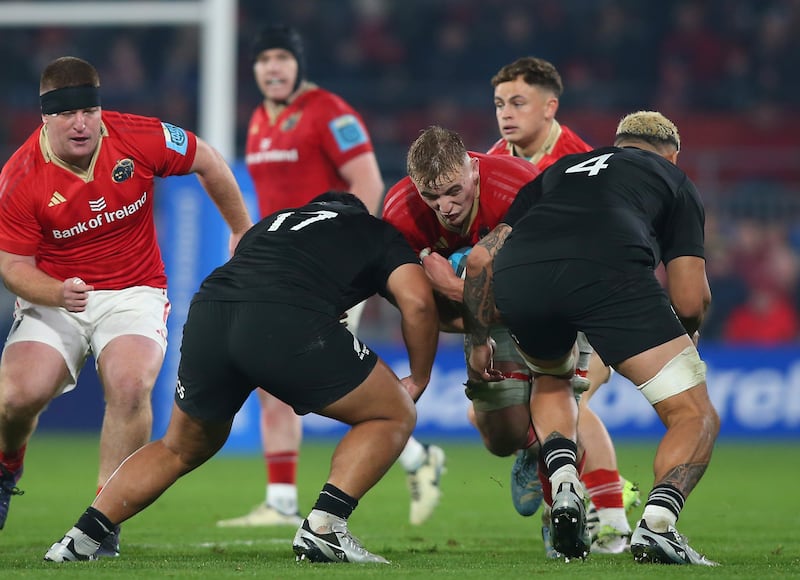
413	455
282	497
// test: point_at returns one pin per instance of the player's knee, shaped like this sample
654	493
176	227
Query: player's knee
685	371
501	446
406	417
504	431
129	396
17	405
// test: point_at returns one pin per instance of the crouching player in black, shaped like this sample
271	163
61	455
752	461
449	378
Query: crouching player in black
270	318
577	251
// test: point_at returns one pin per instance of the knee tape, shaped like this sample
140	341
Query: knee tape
565	368
498	395
680	374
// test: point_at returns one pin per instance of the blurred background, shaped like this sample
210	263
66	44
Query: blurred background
724	70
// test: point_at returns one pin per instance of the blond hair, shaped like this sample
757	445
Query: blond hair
649	126
436	155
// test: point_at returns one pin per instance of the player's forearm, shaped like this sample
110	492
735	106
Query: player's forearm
420	330
364	180
25	280
479	310
225	193
217	179
454	289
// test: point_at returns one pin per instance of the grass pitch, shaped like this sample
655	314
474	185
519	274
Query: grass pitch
745	514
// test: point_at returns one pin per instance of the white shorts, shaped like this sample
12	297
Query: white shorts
141	310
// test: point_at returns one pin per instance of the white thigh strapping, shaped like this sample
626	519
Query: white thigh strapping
680	374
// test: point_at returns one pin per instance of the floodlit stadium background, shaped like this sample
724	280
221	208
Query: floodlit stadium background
723	70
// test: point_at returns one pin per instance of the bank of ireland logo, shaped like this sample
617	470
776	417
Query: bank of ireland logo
98	204
122	171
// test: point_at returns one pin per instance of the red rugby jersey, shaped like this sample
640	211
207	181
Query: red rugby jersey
500	180
97	225
297	156
568	142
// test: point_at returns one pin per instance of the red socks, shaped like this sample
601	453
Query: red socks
13	459
604	488
282	467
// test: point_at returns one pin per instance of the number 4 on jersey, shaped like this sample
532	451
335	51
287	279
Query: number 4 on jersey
591	166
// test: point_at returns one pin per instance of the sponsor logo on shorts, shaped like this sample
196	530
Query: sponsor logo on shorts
361	349
180	389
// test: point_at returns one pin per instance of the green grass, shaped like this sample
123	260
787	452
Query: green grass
745	514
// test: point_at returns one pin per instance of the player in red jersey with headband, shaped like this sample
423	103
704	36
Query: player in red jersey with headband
78	248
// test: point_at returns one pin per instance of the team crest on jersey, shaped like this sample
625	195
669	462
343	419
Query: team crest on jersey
122	171
291	121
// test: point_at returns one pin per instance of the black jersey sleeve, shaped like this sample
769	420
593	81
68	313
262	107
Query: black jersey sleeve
397	252
526	198
683	232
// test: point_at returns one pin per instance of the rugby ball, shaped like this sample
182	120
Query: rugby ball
458	260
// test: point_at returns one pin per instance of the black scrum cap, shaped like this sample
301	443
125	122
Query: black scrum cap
282	36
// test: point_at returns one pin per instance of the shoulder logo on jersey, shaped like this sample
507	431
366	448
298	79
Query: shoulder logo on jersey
291	121
122	171
56	199
175	138
97	204
348	132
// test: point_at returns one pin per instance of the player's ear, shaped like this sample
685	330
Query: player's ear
672	157
551	107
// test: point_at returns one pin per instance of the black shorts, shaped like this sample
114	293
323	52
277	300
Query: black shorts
304	358
621	313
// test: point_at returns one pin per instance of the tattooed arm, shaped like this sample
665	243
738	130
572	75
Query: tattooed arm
480	310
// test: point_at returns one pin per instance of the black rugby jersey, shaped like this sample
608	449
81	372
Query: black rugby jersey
625	208
326	257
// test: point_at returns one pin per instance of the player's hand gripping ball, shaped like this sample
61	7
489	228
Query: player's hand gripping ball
458	260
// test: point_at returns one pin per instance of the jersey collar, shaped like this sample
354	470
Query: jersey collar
546	148
50	157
